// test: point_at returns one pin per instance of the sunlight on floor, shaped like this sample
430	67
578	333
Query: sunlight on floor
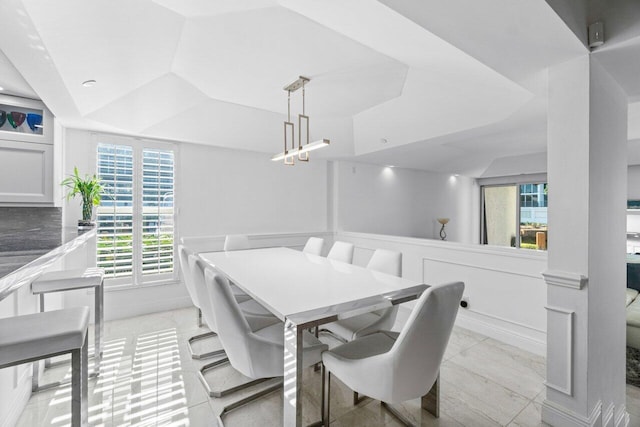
143	387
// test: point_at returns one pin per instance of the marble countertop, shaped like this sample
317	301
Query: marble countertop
18	267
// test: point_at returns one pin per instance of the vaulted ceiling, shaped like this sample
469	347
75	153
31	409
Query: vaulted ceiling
449	86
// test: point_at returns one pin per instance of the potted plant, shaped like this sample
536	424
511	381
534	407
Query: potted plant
89	189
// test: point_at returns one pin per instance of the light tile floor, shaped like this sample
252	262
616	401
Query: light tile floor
149	379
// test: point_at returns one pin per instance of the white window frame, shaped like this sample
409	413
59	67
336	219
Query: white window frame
137	279
517	180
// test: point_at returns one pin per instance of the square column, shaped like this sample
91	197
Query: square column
586	276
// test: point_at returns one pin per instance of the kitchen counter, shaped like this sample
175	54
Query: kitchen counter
19	267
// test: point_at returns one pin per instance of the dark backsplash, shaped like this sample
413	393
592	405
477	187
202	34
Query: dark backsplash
27	229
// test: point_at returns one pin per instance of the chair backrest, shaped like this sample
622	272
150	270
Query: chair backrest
385	261
314	246
185	270
236	242
251	355
418	351
197	267
202	243
341	251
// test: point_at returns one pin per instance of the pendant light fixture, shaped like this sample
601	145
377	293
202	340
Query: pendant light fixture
303	149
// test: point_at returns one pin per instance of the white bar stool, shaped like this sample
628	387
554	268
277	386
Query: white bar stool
67	280
32	337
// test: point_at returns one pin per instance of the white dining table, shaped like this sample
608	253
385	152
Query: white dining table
305	291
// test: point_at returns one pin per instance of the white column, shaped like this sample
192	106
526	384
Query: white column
587	166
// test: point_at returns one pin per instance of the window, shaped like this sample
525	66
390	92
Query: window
136	216
515	215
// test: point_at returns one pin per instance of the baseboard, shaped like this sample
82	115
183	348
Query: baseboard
139	308
556	415
502	330
21	395
607	416
623	417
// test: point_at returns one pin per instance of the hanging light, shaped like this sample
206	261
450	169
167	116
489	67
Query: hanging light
302	150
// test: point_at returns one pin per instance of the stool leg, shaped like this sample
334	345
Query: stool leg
47	361
34	378
98	327
79	383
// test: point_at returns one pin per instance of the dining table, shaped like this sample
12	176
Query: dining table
305	291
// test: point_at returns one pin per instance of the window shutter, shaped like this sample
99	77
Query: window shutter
115	213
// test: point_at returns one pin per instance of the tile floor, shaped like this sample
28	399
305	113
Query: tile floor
149	379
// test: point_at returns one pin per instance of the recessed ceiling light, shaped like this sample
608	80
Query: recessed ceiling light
383	140
88	83
1	88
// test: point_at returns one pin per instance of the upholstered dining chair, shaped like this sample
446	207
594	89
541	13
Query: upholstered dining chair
313	246
406	364
187	277
236	242
255	353
257	317
341	251
384	261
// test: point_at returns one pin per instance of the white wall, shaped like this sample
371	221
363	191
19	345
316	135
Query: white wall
504	286
404	202
224	191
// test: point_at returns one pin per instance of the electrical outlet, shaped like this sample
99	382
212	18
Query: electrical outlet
464	302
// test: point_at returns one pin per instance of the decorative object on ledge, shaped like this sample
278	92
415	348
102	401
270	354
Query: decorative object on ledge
34	121
89	189
443	234
12	118
16	118
302	150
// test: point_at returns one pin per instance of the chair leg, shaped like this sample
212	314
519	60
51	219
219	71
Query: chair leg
247	400
224	392
338	337
357	398
326	397
207	355
199	320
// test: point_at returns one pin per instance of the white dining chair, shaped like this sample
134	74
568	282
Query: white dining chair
313	246
384	261
341	251
183	256
254	353
394	367
236	242
257	319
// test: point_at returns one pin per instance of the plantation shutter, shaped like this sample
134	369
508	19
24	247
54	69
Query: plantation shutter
136	216
157	212
115	213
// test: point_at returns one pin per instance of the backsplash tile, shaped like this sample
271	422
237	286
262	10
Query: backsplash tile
30	228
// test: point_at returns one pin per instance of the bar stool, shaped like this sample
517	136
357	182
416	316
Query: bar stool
32	337
67	280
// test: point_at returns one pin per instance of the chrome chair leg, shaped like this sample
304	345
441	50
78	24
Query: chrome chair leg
201	337
326	396
339	338
224	392
247	400
357	398
199	320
